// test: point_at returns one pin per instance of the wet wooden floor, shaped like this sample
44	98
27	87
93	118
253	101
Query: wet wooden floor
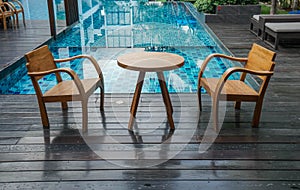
15	42
191	157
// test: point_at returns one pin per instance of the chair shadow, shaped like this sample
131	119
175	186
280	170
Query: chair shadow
143	170
68	145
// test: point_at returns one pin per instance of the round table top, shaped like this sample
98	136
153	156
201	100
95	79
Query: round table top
150	61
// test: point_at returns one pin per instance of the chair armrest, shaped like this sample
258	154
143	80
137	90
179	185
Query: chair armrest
240	59
18	2
208	58
12	6
9	6
92	59
232	70
64	70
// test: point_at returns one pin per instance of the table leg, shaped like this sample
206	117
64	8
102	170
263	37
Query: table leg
136	98
166	98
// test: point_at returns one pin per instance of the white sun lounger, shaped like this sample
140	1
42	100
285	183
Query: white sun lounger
280	31
257	22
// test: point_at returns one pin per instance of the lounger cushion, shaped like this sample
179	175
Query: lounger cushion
256	17
284	27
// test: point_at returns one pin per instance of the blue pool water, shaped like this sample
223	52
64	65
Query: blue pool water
109	29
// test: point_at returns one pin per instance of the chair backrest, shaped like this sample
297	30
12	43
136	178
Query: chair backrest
40	59
260	59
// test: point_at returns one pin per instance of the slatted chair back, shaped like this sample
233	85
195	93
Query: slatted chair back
39	60
260	59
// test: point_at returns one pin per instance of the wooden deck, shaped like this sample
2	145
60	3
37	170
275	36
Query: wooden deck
14	43
109	157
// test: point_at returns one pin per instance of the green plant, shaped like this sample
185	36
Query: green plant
206	6
209	6
266	10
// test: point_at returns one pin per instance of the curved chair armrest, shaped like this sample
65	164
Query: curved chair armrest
8	5
208	58
12	6
232	70
65	70
239	59
18	2
92	59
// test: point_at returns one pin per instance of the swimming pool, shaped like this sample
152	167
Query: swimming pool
108	29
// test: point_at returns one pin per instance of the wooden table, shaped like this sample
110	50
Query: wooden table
151	62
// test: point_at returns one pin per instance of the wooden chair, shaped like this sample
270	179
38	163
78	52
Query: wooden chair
17	8
260	62
40	62
5	13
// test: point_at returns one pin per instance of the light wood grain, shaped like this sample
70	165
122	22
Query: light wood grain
151	62
40	62
260	62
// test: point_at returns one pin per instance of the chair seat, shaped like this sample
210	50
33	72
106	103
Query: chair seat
233	90
68	91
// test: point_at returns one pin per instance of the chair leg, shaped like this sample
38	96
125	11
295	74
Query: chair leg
102	99
257	113
44	115
14	22
199	98
23	18
4	24
64	105
215	113
84	115
237	105
17	20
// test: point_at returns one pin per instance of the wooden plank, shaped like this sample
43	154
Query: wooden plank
132	155
151	175
181	165
158	184
243	146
